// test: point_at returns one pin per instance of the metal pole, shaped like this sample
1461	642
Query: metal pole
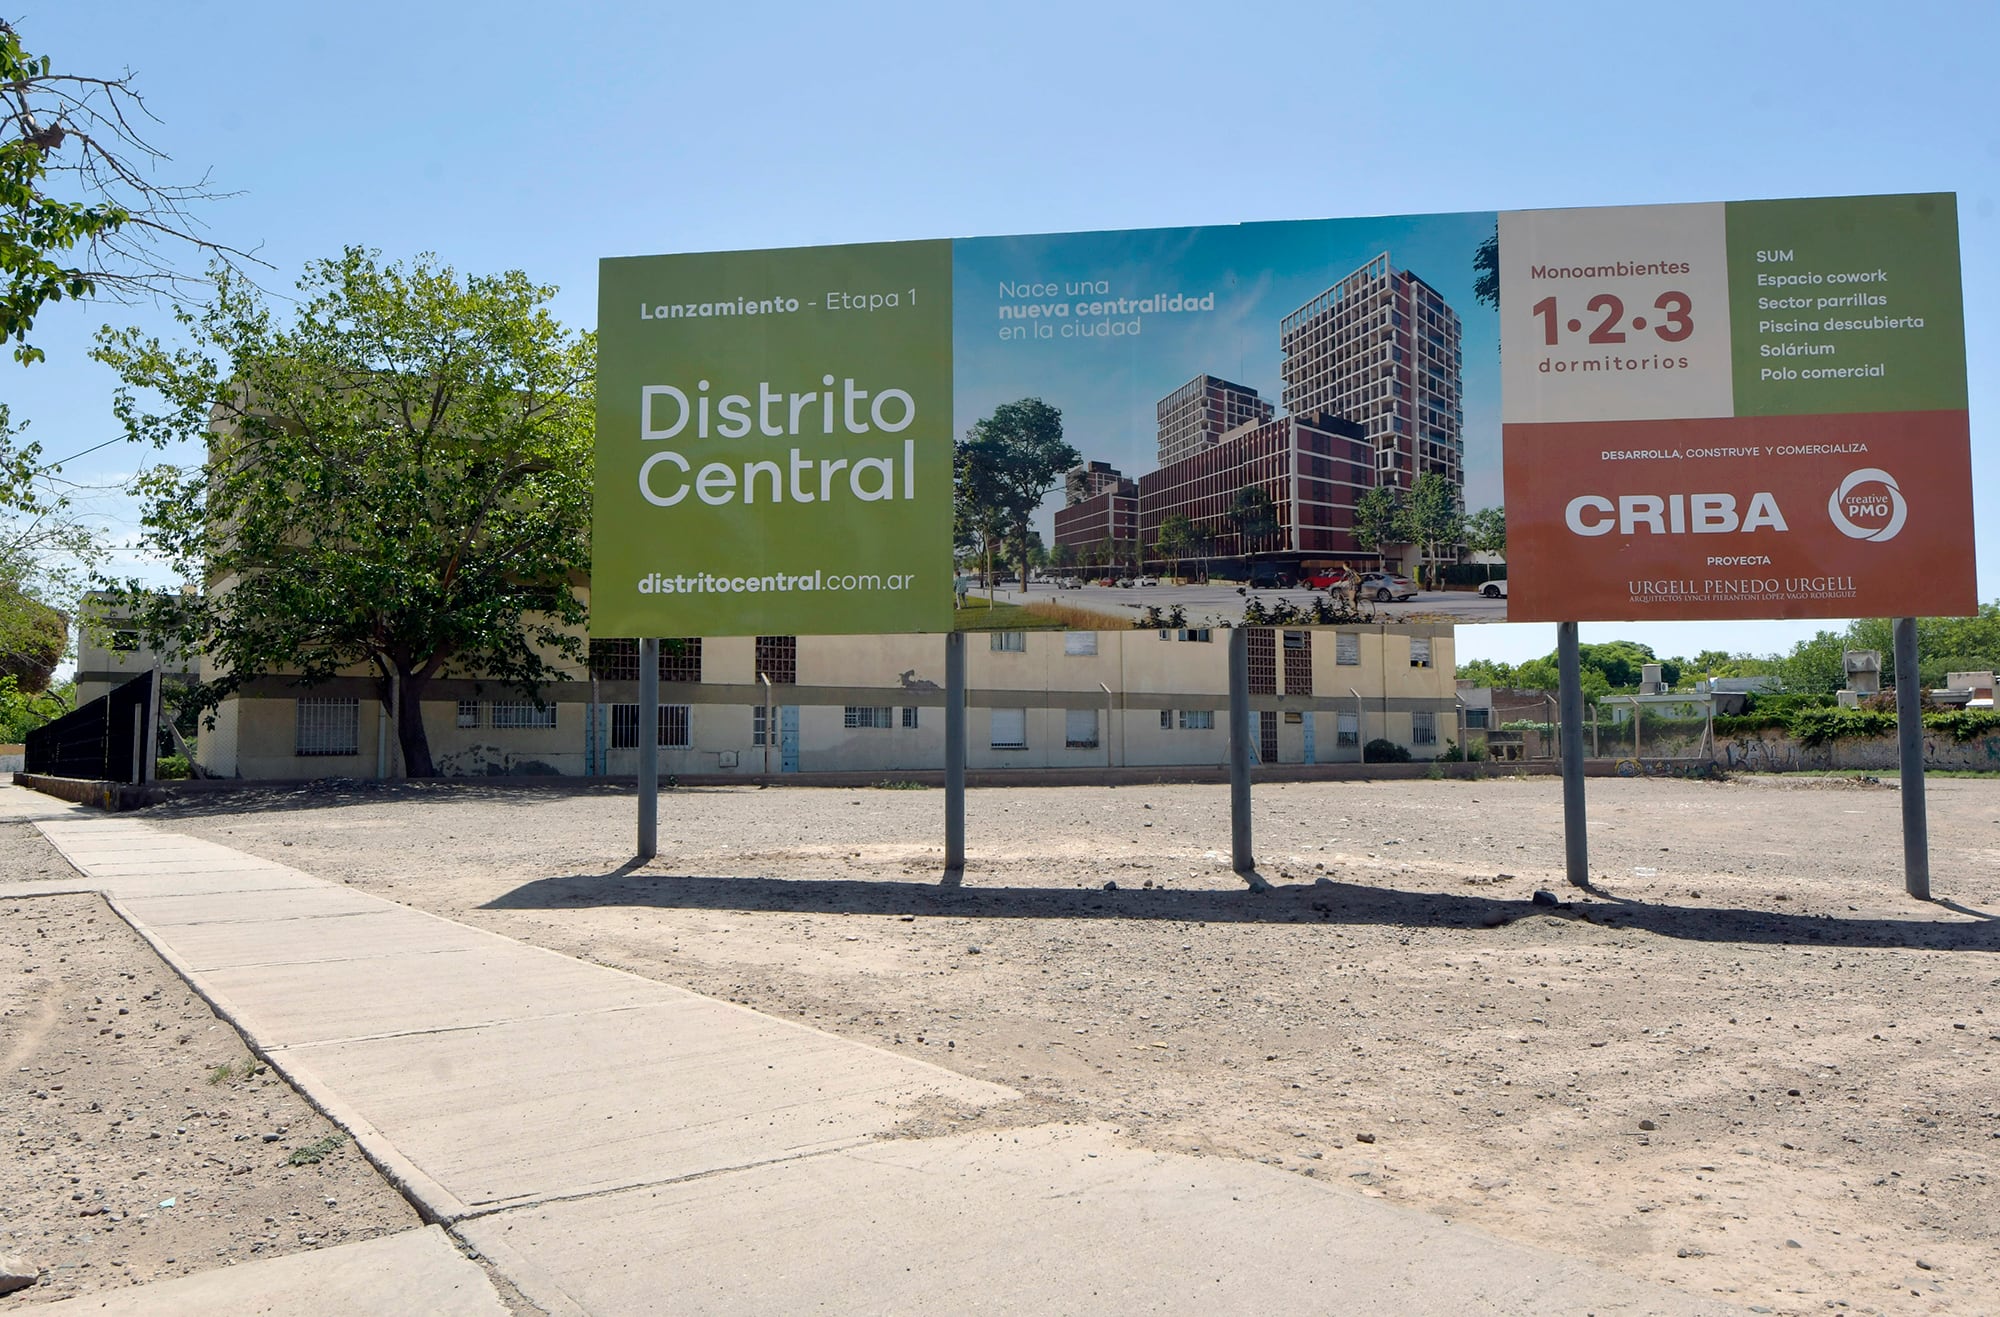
649	748
1240	857
395	718
954	752
1110	716
1910	747
1360	714
1576	844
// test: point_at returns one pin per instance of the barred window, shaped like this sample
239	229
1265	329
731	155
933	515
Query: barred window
757	725
328	726
1347	648
1423	728
1478	719
1197	720
523	714
468	713
1010	729
1349	732
615	660
1012	642
1079	642
778	659
1298	663
674	726
909	715
1080	729
857	715
1420	651
1199	635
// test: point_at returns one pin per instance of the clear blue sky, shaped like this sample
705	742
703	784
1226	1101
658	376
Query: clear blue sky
545	136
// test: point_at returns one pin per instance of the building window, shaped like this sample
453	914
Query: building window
1478	720
328	726
615	660
1191	635
1190	720
1080	729
757	725
1010	642
910	716
468	713
680	659
778	659
1420	651
1262	642
1347	648
1348	729
860	715
1298	663
675	728
1079	642
124	642
1010	729
1423	728
523	714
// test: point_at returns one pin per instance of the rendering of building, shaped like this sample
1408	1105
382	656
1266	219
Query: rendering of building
1382	348
1038	699
1199	413
1088	480
1373	396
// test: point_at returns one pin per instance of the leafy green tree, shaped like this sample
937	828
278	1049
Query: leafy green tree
397	478
1378	519
81	212
1817	666
1008	463
1487	672
1254	518
1486	270
1486	532
1433	521
45	548
1176	538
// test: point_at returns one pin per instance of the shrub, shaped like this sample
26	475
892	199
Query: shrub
172	768
1817	726
1379	751
1964	724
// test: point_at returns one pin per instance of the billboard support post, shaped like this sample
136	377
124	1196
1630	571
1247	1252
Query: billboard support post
1910	751
1569	675
954	755
649	748
1241	858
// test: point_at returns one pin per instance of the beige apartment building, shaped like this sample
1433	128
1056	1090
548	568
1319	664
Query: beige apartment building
1037	699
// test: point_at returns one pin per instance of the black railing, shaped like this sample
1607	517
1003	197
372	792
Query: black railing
105	740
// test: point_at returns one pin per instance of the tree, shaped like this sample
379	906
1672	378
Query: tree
399	478
1817	666
1008	463
80	212
1486	532
1176	538
1254	518
44	549
1486	270
1378	519
1433	520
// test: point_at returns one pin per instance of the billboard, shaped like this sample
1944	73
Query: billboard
1744	409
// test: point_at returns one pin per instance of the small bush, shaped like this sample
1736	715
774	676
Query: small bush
1379	751
172	768
1964	724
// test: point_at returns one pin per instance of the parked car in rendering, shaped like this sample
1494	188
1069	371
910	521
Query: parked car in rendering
1147	580
1068	583
1384	586
1494	589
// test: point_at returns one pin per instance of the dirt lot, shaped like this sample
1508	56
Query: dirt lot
1749	1065
143	1140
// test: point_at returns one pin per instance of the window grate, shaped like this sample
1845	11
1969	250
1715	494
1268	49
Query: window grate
328	726
1423	728
1080	729
675	726
778	659
523	714
468	713
859	715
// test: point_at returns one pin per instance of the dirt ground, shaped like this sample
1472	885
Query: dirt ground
143	1139
1747	1065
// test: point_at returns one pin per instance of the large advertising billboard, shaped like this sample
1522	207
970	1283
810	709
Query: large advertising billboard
1741	410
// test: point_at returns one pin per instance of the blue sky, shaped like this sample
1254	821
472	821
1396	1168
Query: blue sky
543	137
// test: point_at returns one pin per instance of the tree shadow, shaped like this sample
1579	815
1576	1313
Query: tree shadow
217	800
1323	901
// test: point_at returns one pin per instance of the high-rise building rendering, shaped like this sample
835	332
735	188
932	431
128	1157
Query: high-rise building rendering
1089	479
1201	411
1098	527
1382	348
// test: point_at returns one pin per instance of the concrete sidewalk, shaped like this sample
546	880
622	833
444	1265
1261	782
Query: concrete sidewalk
616	1145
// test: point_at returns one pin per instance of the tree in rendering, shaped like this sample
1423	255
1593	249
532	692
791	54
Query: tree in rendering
1176	539
1486	532
1486	270
1433	521
1254	518
1378	520
1006	465
396	478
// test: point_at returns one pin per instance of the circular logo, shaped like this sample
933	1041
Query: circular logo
1868	505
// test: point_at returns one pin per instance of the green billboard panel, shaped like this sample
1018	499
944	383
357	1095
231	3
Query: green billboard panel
774	442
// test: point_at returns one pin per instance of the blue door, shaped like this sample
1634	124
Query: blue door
1311	757
788	738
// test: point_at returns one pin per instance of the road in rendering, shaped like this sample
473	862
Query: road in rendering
1212	605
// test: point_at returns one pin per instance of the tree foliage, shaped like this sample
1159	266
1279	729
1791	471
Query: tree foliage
397	478
45	548
1003	468
1433	520
1254	517
80	210
1176	538
1486	270
1378	519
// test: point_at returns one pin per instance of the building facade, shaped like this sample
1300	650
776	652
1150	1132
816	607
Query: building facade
1089	479
1382	348
1199	413
1040	699
1313	469
1095	528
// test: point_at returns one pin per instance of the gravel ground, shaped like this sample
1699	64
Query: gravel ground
145	1142
1746	1065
